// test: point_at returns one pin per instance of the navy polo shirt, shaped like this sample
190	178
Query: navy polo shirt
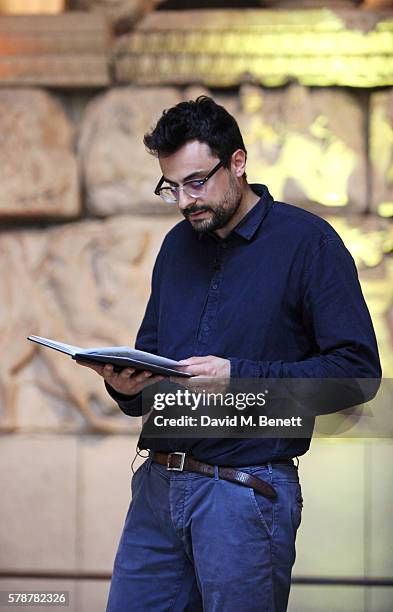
279	297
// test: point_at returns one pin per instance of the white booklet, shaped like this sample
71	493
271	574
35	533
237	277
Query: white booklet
119	356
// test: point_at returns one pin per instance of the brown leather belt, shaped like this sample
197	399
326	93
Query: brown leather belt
180	462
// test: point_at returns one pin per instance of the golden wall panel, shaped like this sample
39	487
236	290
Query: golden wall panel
307	145
228	47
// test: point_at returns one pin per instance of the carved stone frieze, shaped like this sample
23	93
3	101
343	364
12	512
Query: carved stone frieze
85	284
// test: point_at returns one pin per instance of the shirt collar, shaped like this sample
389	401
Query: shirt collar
247	227
251	222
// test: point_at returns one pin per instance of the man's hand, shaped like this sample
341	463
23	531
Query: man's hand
209	366
210	374
128	381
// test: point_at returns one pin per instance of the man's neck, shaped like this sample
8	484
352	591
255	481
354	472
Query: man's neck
247	202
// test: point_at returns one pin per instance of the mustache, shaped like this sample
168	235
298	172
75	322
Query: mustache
195	209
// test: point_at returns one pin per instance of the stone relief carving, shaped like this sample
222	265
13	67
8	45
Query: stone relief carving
85	284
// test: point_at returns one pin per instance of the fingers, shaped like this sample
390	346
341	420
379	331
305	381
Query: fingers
209	366
122	375
127	381
96	367
198	366
153	379
141	381
192	384
194	360
197	369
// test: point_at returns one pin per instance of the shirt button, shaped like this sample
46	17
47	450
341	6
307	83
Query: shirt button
206	327
215	286
224	245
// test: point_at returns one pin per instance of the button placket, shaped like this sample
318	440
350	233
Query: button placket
212	302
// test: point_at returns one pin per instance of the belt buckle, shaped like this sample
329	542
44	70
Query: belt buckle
176	469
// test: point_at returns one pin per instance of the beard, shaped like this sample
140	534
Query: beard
221	213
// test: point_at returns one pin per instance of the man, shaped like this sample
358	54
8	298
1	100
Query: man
244	287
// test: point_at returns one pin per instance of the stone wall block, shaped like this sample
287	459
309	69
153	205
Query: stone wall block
38	168
39	510
123	14
307	146
348	528
119	174
381	151
380	540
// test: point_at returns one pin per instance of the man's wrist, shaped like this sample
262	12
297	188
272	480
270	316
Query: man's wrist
116	395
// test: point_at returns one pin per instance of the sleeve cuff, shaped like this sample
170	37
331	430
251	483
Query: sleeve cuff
244	368
131	405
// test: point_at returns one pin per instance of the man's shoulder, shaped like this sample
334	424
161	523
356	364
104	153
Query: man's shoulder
304	223
180	232
181	228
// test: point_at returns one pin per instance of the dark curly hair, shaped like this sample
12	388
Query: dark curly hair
201	119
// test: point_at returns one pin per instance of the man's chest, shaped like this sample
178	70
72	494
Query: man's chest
229	298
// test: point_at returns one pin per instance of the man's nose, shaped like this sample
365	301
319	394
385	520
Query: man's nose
184	200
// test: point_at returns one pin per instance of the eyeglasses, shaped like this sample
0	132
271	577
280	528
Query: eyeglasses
194	189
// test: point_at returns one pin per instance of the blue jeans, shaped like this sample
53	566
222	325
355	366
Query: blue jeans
193	543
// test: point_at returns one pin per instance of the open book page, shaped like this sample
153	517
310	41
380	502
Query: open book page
119	356
69	349
125	351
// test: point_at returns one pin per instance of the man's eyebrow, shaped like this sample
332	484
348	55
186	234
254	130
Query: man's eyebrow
189	177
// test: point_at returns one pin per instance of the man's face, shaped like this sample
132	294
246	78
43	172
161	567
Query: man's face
214	208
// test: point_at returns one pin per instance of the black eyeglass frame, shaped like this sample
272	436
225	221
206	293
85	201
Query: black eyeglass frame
201	181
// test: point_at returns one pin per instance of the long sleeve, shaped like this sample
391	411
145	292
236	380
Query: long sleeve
337	318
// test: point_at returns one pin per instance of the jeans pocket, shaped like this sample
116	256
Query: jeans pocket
297	508
264	509
136	477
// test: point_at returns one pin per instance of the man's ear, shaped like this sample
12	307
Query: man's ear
238	162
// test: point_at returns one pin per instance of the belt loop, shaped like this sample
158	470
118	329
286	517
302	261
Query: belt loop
216	475
270	468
